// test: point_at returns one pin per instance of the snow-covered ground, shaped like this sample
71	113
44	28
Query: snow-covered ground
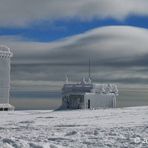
127	127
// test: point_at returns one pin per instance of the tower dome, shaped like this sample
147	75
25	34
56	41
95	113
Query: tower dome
4	48
5	51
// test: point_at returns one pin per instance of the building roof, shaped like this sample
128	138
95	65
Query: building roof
4	48
84	87
5	51
77	88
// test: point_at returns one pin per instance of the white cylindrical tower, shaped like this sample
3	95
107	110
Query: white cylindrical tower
5	55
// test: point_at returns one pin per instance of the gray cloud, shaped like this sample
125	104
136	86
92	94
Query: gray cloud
118	54
24	12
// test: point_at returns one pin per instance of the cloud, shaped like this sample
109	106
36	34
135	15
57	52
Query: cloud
106	45
25	12
118	54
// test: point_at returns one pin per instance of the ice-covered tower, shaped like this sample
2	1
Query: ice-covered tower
5	55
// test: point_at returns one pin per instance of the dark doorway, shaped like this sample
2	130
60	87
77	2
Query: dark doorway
5	109
88	103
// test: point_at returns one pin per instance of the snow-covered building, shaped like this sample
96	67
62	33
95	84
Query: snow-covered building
5	55
85	95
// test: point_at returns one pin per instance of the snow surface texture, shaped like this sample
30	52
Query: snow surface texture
126	128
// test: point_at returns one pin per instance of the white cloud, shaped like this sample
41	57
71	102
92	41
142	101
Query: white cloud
24	12
119	53
105	43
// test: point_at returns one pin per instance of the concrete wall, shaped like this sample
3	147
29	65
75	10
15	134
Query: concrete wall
100	100
4	79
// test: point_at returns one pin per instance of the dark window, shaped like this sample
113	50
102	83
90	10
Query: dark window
88	103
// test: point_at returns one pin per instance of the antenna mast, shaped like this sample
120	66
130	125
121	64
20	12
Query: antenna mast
89	70
67	80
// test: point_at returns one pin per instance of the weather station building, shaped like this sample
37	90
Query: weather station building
88	95
5	55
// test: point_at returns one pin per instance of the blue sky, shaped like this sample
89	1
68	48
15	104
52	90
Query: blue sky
51	38
45	31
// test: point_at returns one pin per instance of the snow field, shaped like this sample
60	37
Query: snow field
104	128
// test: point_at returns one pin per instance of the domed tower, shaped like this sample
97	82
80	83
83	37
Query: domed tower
5	55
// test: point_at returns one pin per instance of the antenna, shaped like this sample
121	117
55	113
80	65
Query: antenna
89	70
67	80
89	73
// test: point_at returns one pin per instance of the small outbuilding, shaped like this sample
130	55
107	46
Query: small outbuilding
87	95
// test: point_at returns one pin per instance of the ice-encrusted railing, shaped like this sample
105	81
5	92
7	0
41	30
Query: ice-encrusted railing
105	89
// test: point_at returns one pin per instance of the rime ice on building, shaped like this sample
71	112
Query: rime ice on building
5	55
85	95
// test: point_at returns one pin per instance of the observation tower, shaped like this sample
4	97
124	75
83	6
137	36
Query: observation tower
5	56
